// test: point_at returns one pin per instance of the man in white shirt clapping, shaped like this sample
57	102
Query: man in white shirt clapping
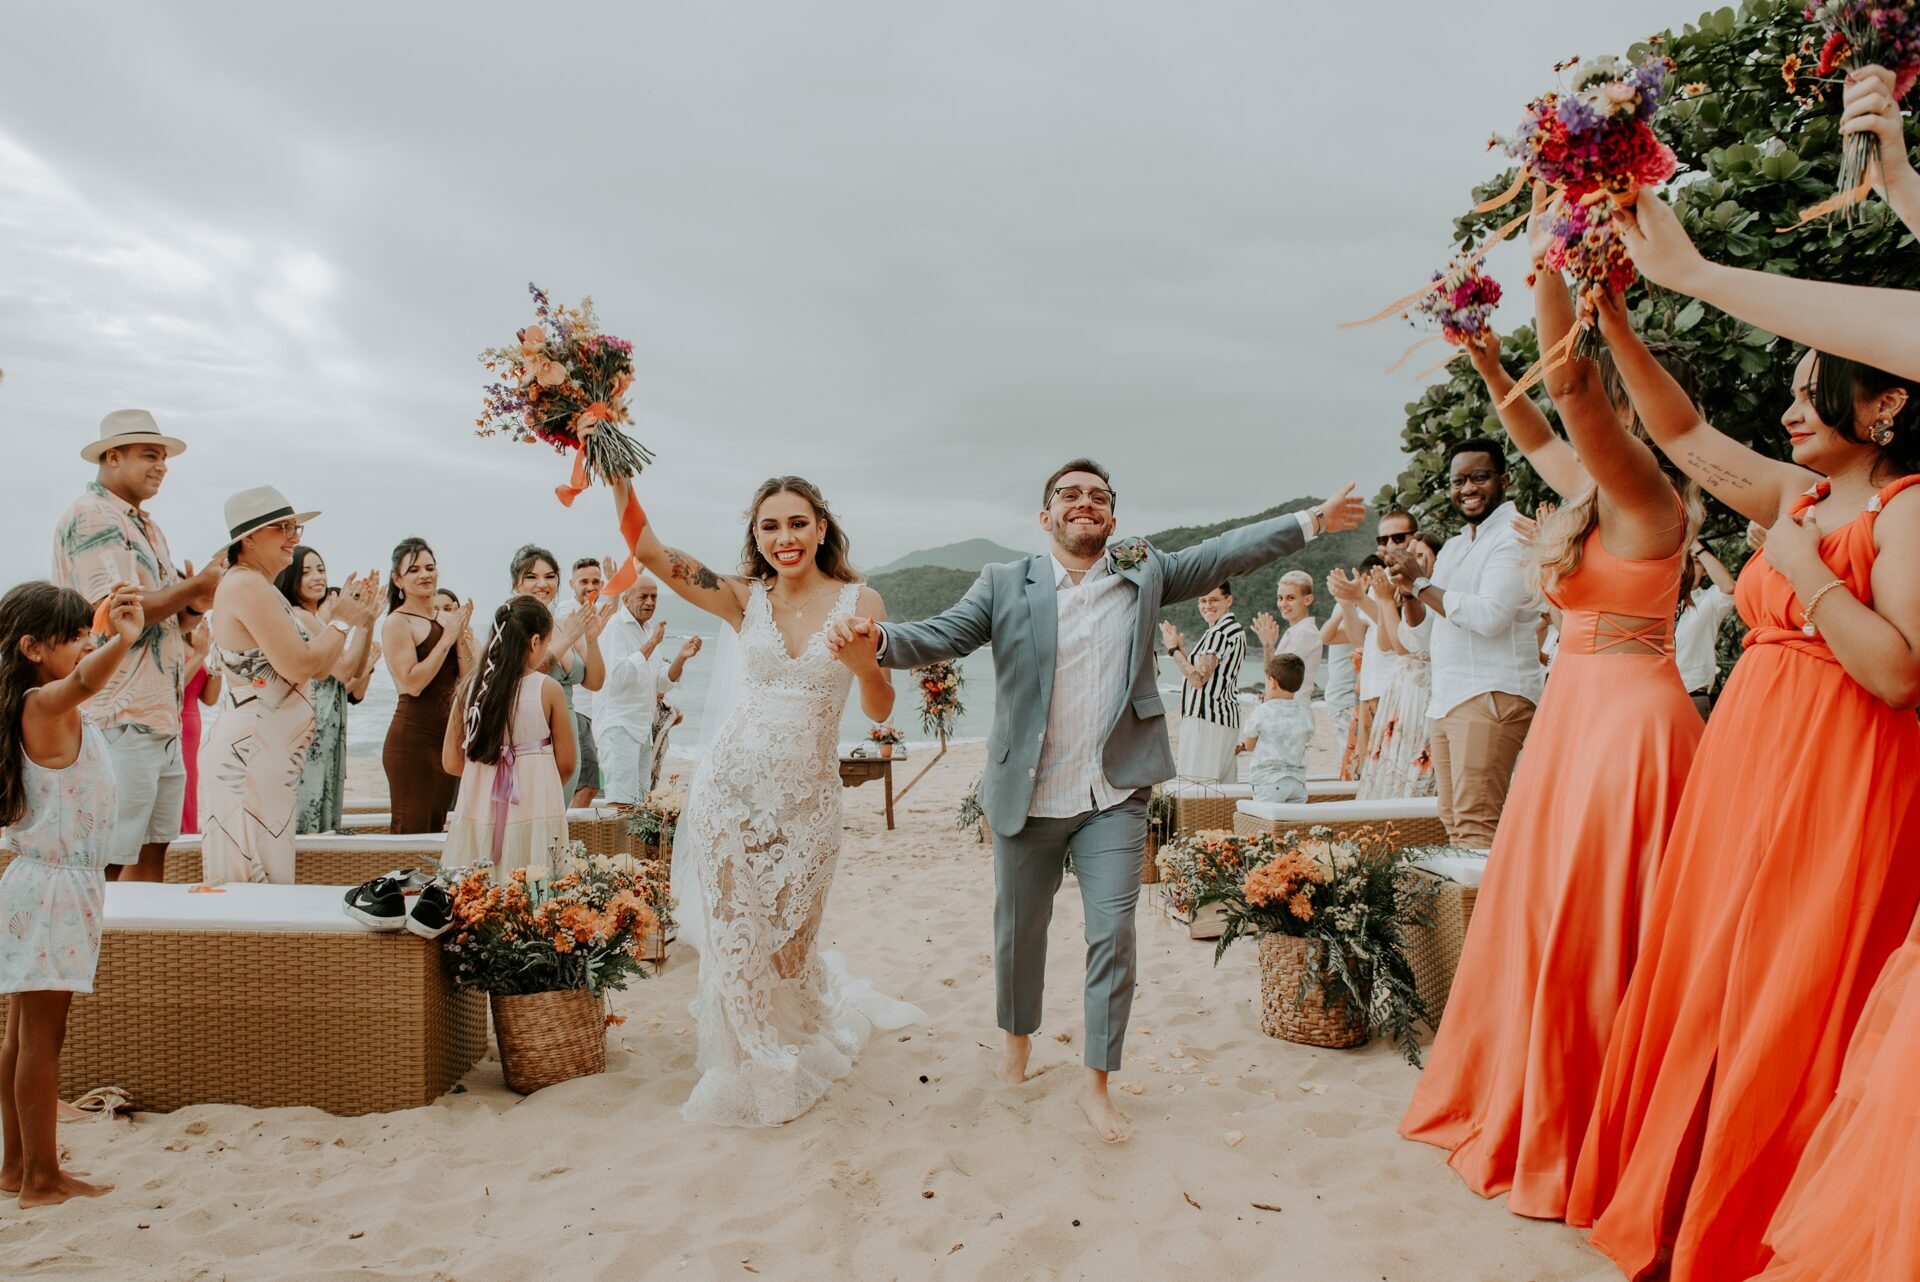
1481	607
623	710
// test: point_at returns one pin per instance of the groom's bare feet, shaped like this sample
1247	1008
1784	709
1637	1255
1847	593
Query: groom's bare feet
1013	1059
1108	1122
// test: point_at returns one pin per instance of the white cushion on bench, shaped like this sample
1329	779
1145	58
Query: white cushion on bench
1244	791
1327	812
406	844
239	907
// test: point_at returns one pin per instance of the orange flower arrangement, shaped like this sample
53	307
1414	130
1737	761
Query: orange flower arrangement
528	931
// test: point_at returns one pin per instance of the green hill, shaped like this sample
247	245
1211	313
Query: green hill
968	556
922	591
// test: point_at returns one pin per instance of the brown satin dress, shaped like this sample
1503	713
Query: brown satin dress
420	791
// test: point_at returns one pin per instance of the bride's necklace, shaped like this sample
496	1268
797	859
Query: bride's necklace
798	608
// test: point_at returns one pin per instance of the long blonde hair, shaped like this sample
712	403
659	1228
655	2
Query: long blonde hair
1562	541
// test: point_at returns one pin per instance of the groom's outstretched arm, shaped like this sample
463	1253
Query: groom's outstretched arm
1197	570
960	630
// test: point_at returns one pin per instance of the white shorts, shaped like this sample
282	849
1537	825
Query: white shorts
626	767
150	775
1206	751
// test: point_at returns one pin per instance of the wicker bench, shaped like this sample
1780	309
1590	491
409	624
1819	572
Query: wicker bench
603	829
320	861
1414	821
1435	950
1200	807
267	996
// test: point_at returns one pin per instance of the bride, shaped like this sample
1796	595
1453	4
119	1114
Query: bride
757	841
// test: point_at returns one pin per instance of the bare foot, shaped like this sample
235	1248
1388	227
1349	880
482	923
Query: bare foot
1013	1059
63	1187
1107	1120
10	1182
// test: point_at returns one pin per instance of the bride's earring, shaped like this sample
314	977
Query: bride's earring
1883	432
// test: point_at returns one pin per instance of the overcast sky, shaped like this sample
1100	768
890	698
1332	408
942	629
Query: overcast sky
920	254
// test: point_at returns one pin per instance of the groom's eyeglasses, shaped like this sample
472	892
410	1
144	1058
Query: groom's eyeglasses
1072	494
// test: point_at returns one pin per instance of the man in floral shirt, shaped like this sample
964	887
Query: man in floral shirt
107	537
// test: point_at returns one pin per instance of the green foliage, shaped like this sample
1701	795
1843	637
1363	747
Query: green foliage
1753	156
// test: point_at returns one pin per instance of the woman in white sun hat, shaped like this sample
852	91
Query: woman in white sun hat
250	762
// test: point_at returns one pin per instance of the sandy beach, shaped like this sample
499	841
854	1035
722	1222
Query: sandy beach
1254	1158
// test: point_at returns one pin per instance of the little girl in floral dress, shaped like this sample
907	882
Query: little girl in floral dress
510	739
58	804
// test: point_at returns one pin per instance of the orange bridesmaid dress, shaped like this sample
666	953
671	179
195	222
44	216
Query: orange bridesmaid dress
1789	880
1510	1080
1853	1210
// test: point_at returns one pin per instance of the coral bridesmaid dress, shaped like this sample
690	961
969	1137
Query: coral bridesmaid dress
1510	1081
1853	1210
1788	881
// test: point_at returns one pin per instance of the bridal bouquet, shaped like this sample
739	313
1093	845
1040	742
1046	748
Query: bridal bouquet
582	923
940	705
1865	33
565	383
1461	303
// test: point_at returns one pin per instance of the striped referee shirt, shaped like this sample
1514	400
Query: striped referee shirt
1215	701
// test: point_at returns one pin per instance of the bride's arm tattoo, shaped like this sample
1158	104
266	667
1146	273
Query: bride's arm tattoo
688	569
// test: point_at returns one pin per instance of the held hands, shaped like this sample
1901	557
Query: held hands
1267	628
1344	511
856	643
1171	636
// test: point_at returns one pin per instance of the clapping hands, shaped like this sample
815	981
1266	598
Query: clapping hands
1171	636
1345	586
597	617
689	649
359	601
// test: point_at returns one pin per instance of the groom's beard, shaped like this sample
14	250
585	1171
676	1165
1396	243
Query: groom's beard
1081	540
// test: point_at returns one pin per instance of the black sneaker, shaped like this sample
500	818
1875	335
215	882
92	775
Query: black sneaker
432	913
379	904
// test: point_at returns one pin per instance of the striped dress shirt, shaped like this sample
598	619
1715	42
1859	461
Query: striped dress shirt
1215	701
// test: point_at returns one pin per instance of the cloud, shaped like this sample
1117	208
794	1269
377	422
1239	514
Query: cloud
919	255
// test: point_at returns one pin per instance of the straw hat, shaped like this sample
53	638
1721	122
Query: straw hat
129	427
249	510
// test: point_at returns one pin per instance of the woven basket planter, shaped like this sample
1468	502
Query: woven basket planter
1283	963
547	1038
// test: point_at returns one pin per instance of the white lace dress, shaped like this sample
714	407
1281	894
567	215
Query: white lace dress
778	1021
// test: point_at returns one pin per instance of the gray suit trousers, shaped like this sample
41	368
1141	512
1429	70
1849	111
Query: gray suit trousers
1107	847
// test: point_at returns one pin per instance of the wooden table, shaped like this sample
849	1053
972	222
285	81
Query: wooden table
855	771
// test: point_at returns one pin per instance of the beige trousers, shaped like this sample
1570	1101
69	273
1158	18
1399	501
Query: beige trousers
1474	748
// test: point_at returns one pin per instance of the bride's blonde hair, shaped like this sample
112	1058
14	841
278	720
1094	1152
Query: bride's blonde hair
1563	540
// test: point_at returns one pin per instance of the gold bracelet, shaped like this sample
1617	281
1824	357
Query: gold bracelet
1806	613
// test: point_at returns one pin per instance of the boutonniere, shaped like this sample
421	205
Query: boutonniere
1128	554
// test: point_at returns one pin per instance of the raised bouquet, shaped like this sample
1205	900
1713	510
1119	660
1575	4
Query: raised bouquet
565	383
886	735
1351	897
1856	34
1461	303
1596	145
940	705
580	922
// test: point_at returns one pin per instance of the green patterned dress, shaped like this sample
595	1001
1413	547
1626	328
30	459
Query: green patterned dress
323	781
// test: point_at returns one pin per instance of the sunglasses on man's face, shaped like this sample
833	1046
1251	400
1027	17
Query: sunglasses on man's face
1392	540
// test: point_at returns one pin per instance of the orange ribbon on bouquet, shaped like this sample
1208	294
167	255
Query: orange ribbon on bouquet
633	518
1400	306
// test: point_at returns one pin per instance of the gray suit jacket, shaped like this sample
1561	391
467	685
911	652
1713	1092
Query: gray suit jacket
1012	606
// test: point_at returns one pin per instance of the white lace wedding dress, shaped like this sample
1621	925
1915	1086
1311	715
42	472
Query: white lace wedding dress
778	1021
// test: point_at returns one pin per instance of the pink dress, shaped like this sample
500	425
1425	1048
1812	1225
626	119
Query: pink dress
514	813
190	745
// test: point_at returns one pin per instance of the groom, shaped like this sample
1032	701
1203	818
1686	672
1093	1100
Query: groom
1079	735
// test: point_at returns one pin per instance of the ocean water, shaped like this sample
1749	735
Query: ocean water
367	722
